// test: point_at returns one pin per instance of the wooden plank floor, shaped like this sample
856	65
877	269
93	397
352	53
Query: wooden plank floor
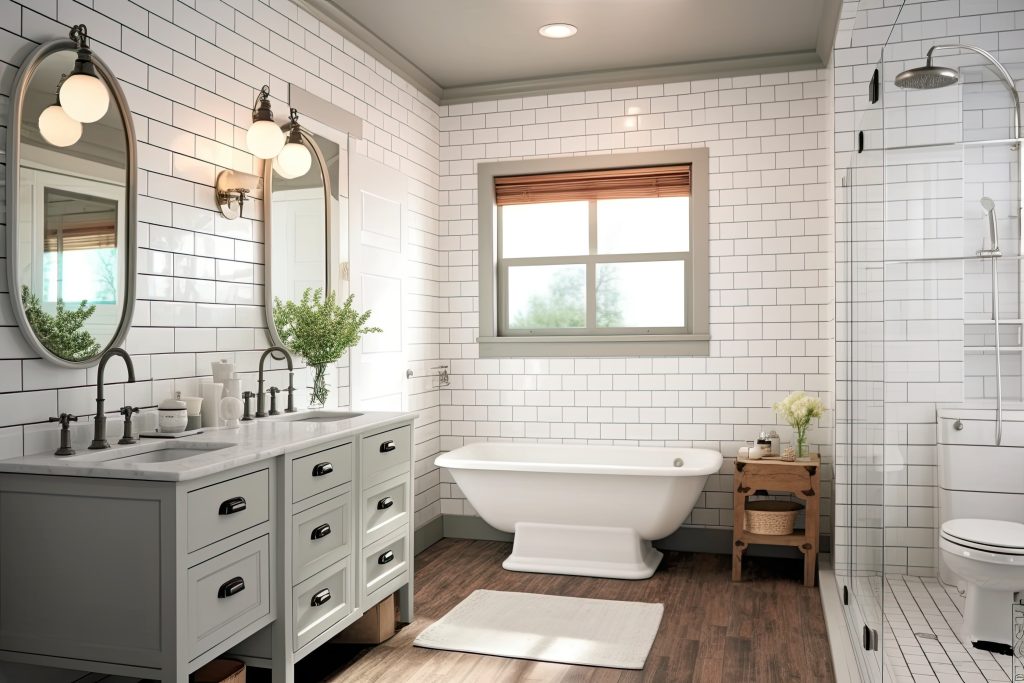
768	628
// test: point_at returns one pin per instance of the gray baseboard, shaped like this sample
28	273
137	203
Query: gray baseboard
427	535
685	539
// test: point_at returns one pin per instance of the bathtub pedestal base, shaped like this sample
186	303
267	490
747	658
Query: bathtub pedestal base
607	552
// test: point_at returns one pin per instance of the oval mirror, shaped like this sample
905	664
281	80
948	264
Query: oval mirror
71	191
299	218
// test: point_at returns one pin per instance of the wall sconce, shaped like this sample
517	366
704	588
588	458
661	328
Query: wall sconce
56	127
83	95
264	138
294	159
233	190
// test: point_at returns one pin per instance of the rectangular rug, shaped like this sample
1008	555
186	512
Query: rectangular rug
548	628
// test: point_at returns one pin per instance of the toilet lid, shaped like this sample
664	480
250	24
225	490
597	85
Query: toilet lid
996	534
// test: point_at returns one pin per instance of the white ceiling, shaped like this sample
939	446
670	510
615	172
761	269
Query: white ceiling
468	48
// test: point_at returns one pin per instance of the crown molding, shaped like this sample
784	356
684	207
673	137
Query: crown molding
366	40
688	71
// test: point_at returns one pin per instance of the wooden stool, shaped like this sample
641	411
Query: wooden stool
801	478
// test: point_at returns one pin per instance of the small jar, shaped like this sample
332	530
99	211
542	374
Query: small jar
776	440
765	443
172	416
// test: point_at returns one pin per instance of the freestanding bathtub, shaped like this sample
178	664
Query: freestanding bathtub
582	510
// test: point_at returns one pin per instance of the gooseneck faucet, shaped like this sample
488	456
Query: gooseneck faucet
261	400
99	434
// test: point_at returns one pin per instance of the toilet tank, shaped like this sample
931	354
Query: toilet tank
976	477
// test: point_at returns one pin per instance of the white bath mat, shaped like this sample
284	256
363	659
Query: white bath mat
548	628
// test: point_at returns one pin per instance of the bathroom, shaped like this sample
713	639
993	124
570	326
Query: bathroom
840	243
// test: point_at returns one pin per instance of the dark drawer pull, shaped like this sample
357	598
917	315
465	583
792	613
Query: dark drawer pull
320	532
232	505
320	597
232	587
385	557
322	468
384	503
387	447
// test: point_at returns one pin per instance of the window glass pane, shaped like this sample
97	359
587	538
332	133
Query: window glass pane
554	229
640	226
648	294
541	297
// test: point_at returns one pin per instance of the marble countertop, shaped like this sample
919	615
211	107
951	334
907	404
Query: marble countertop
251	442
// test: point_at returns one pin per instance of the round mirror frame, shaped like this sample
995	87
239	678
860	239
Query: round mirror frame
268	232
17	102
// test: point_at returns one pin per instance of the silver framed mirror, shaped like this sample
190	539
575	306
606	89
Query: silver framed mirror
71	209
299	233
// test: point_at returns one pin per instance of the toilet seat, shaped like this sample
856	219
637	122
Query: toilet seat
989	535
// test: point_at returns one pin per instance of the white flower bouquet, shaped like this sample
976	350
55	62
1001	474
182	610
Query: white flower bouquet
798	409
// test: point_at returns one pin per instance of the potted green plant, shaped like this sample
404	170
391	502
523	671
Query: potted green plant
320	331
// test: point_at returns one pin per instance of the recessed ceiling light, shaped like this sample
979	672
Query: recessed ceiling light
557	30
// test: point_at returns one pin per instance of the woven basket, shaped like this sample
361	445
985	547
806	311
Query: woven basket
771	517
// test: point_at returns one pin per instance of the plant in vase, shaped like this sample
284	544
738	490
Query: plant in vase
320	331
63	331
798	409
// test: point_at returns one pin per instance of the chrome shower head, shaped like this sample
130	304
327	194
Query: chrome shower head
927	77
993	230
988	204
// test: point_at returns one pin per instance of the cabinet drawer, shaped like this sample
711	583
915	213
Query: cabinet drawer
221	510
385	508
385	560
321	601
321	536
318	472
227	593
385	455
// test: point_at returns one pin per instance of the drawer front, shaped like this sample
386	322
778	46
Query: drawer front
321	536
321	601
227	593
221	510
385	508
386	455
313	474
385	560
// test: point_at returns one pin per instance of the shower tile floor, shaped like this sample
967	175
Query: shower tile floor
922	617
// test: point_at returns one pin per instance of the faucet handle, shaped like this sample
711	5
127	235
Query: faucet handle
126	437
246	397
273	391
65	420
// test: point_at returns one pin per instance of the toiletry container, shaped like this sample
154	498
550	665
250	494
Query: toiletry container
172	416
212	394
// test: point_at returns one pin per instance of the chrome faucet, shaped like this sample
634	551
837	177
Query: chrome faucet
99	434
261	399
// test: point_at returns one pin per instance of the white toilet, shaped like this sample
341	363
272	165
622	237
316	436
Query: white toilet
981	506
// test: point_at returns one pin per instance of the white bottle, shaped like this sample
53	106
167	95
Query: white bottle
212	394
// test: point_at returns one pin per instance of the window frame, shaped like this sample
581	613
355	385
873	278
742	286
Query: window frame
496	341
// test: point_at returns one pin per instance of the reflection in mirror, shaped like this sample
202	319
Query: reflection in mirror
73	260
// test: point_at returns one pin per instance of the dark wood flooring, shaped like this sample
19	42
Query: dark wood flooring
769	628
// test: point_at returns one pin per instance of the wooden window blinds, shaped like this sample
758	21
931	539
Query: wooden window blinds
619	183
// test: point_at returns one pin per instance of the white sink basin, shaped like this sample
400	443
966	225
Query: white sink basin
169	452
315	416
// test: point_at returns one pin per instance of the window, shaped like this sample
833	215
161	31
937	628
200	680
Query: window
595	256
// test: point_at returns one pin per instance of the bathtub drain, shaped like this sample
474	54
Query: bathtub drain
678	462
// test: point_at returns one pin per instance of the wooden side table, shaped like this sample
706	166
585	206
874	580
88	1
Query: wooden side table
801	478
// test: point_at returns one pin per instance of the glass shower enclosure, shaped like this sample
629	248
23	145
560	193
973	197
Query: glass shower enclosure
928	301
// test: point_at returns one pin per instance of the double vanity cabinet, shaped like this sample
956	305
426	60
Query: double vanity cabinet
263	541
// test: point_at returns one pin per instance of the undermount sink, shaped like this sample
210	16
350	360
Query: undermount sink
171	452
316	416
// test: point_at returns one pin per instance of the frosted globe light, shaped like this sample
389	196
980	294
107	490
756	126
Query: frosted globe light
84	98
293	161
57	128
264	139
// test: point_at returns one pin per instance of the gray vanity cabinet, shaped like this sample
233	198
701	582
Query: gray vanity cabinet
142	578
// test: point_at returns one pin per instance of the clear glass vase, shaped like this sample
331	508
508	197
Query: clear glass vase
803	450
319	384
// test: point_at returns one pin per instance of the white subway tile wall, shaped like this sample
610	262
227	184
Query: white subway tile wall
771	274
190	71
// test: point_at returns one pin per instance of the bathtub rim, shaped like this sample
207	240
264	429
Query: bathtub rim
452	460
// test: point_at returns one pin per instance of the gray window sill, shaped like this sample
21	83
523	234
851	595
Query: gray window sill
610	346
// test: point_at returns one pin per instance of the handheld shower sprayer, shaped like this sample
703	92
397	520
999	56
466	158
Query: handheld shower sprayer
990	208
